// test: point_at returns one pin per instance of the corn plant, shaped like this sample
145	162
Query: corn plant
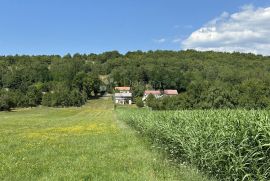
226	144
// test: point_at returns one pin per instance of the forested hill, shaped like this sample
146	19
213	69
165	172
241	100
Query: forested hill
204	79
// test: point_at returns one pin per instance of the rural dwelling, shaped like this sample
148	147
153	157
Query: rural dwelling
122	89
155	93
123	98
170	92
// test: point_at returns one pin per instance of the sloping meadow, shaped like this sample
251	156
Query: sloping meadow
226	144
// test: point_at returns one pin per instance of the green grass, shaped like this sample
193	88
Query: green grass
85	143
226	144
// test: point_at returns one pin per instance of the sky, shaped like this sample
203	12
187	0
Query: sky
37	27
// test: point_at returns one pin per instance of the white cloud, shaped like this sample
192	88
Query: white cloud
244	31
161	40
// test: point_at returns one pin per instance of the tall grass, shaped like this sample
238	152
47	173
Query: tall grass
226	144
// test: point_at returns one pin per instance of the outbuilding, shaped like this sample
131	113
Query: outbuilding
170	92
156	93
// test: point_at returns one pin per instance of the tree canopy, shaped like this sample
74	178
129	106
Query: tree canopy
204	80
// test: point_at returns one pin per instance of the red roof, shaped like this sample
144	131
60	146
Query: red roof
122	88
154	92
170	92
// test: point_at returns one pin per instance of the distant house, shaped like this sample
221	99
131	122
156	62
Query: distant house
122	89
123	98
123	95
170	92
155	93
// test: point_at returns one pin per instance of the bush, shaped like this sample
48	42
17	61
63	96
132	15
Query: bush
6	100
33	96
150	100
77	98
139	102
64	98
46	100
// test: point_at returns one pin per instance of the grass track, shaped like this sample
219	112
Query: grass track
85	143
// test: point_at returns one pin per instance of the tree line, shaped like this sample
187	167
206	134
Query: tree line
205	80
28	81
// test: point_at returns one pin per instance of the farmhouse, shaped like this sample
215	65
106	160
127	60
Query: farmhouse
170	92
155	93
123	95
123	98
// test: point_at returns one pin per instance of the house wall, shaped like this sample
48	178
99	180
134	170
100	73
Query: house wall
123	100
123	91
146	95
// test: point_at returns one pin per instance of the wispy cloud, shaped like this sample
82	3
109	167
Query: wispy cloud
177	40
247	7
182	27
245	31
161	40
176	26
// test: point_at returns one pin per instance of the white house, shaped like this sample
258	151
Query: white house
123	98
123	95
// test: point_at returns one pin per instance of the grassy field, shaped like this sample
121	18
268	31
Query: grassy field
85	143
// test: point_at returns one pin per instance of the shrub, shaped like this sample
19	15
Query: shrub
64	98
6	100
46	100
33	96
139	102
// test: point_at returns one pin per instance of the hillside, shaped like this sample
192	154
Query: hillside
204	79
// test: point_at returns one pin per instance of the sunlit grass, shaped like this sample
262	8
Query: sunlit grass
85	143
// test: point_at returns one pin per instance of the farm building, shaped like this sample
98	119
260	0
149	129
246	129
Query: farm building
155	93
122	89
123	95
159	94
123	98
170	92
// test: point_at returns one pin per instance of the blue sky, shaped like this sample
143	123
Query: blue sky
86	26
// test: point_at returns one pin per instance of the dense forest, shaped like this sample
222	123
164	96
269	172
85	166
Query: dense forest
204	80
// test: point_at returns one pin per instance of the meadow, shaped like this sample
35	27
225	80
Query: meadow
86	143
226	144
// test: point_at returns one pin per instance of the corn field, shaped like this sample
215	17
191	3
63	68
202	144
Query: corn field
225	144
